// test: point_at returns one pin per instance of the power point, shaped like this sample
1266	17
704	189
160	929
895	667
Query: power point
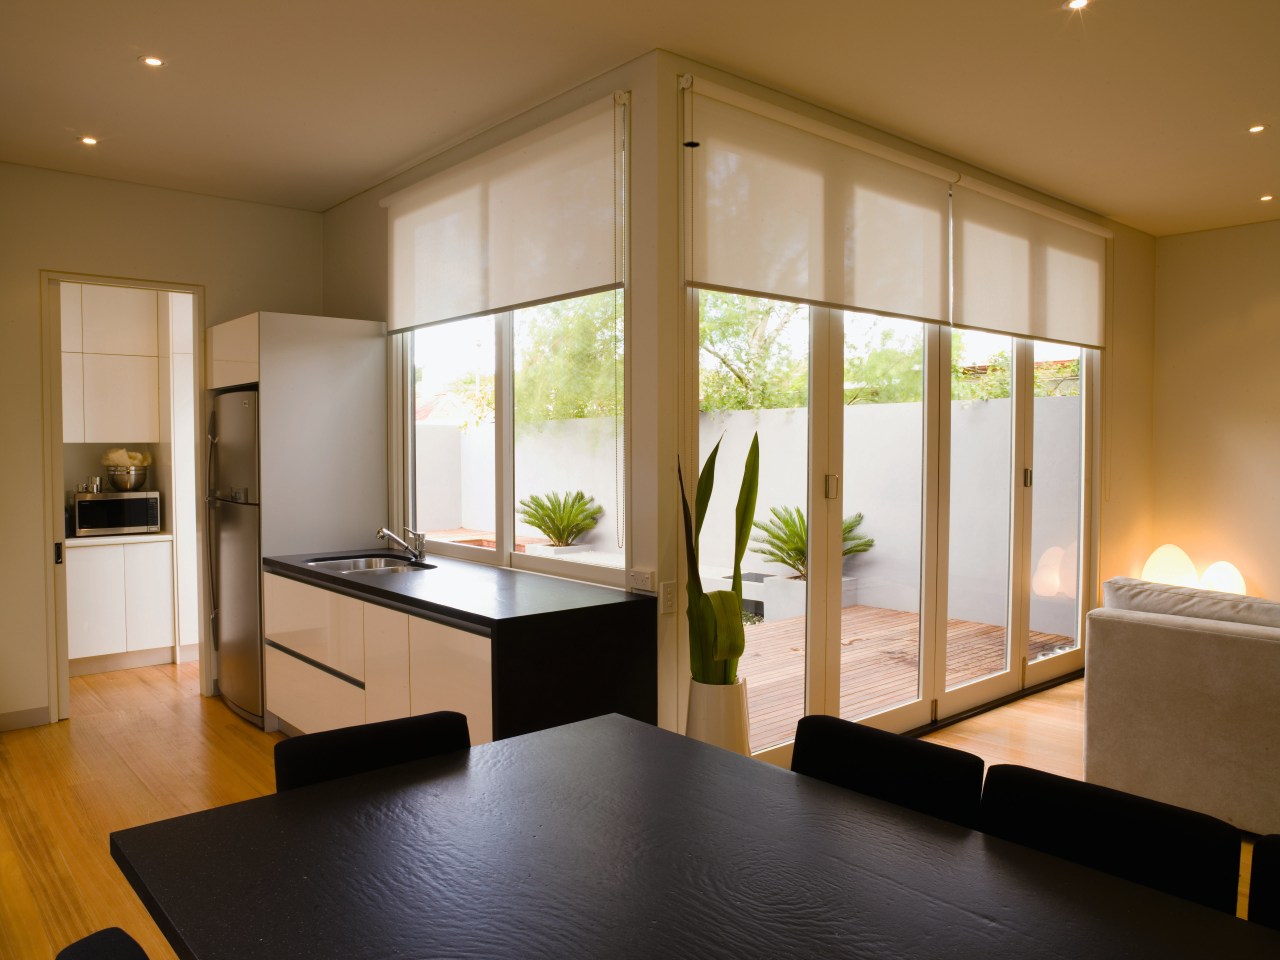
640	580
667	597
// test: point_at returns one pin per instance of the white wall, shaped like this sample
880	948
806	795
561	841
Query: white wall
1217	399
247	256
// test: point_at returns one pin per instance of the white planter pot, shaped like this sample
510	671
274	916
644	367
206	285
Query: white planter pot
547	550
718	715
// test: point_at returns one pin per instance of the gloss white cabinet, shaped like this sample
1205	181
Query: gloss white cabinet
308	699
386	662
450	669
119	598
119	320
319	625
121	399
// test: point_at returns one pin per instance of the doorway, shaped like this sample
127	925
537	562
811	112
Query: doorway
123	361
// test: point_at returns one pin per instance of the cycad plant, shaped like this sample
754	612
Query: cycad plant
716	637
562	519
785	539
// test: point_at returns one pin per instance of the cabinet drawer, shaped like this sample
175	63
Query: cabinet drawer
323	626
308	698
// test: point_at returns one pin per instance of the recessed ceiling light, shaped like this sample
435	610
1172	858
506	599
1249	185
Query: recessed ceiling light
1266	198
1257	128
88	141
1075	4
152	61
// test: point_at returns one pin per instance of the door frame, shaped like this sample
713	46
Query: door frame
54	483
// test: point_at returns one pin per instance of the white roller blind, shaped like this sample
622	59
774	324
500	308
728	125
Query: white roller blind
532	220
1024	273
784	212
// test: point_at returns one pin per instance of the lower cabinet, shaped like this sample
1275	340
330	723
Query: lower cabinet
119	598
334	661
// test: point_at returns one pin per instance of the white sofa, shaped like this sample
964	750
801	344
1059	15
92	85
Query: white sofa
1182	700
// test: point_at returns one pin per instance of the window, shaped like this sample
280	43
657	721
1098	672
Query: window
508	283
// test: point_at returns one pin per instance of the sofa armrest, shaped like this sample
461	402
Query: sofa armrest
1186	711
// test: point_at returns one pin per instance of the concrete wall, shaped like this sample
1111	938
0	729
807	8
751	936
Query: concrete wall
247	256
1217	399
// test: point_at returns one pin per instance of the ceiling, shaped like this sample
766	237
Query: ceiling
1135	109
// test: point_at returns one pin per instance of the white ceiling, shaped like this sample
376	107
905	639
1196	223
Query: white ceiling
1137	110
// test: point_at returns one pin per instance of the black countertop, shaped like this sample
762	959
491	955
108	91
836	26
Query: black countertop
473	596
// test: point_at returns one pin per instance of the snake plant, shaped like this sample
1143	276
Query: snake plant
716	637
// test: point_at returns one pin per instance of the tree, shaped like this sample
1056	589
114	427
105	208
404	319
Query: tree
747	355
569	360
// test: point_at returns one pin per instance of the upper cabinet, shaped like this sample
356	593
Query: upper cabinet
110	364
232	353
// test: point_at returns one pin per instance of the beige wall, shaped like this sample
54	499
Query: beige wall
1217	399
247	256
1124	486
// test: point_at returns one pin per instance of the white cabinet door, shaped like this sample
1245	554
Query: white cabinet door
386	663
72	398
451	670
95	601
148	595
309	699
326	627
119	320
121	402
232	353
69	305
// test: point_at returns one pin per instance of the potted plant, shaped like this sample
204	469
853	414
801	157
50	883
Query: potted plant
717	695
785	540
561	518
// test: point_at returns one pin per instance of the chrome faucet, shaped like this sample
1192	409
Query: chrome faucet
415	553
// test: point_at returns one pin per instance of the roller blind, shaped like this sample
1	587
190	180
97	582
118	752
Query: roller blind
533	220
1025	273
779	211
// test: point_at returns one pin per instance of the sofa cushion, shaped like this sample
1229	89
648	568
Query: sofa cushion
1125	593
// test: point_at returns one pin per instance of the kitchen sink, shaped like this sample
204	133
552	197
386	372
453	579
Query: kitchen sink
369	565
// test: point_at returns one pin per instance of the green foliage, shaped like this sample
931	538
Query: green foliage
569	359
746	356
716	635
560	518
785	539
889	370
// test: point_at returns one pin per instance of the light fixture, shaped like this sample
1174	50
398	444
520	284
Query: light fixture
1265	197
1170	564
1075	4
1257	128
152	61
87	141
1223	577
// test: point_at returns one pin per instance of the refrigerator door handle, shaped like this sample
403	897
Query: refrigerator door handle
211	531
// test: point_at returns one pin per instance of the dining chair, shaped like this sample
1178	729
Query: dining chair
1188	854
109	944
1264	882
940	781
313	757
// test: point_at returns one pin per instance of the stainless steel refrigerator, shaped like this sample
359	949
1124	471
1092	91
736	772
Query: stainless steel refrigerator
235	537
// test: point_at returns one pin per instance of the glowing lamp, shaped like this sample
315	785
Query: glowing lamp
1223	577
1170	564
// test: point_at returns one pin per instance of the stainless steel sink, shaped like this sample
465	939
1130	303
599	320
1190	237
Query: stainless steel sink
369	565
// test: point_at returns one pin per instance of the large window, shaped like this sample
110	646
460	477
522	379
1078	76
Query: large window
508	285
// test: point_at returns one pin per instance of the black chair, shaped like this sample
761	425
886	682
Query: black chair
928	777
313	757
109	944
1188	854
1264	882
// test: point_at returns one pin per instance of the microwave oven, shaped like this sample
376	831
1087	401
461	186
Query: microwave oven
103	514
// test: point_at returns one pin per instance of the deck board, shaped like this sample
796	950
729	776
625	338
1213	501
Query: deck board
879	665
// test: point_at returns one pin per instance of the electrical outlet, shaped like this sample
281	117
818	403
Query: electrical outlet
640	580
667	597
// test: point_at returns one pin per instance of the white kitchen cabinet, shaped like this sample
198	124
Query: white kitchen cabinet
119	597
148	595
121	399
232	353
450	669
95	601
119	320
308	699
73	398
69	306
318	624
386	663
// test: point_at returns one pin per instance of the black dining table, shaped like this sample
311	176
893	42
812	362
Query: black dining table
612	838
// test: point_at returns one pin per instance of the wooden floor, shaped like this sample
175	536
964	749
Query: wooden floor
142	745
879	665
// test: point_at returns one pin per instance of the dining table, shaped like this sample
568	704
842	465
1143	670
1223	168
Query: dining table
612	838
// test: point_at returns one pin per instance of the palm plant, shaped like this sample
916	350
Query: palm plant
785	539
562	519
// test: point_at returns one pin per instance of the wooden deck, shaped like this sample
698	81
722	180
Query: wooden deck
879	665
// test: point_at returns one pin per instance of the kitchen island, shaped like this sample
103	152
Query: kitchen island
514	651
